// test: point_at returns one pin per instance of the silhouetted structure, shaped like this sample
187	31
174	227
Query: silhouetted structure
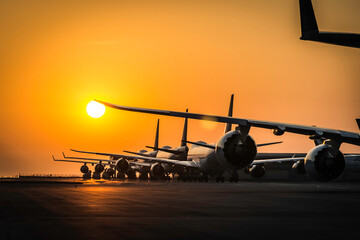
310	30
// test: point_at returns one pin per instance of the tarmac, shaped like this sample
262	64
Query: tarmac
178	210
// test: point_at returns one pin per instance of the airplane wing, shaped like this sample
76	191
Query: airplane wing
279	128
276	160
142	164
89	159
80	161
95	161
151	159
213	146
295	159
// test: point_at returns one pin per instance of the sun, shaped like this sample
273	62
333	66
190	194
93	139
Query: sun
95	109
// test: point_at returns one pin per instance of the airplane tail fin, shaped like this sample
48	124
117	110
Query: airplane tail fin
309	26
184	135
358	122
156	144
228	125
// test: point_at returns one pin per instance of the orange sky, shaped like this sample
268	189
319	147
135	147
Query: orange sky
57	56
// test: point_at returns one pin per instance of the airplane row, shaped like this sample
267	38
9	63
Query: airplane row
235	150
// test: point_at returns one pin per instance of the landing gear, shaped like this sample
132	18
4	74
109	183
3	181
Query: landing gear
96	175
257	171
143	176
120	175
87	175
220	178
234	177
203	177
131	174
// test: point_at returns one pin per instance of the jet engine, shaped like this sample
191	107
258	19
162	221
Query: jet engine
120	175
157	170
122	165
84	169
234	154
99	168
257	171
322	164
144	173
110	171
131	173
299	167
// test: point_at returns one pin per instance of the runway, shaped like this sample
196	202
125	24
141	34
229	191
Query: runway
177	210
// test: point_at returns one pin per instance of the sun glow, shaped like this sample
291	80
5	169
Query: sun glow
95	109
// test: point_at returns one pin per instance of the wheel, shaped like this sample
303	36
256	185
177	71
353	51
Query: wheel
217	179
231	179
222	179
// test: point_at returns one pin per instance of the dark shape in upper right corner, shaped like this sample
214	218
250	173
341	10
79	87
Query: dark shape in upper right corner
310	30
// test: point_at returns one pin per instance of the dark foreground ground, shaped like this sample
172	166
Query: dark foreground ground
176	210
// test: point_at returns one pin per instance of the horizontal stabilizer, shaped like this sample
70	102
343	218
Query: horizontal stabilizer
137	153
89	159
202	144
164	150
267	144
73	161
358	122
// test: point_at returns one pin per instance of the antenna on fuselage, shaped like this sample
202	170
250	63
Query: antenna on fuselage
228	125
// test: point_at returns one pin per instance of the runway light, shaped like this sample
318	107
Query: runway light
95	109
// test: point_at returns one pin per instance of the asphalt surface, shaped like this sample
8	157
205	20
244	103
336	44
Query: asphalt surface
176	210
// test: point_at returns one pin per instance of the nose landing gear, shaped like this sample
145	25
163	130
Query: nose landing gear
234	177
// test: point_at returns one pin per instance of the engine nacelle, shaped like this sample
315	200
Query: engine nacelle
232	153
257	171
322	165
122	165
110	171
143	173
157	170
84	169
299	167
131	174
99	168
120	175
278	131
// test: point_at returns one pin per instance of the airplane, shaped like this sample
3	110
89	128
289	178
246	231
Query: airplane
238	150
144	170
310	30
100	163
206	159
178	153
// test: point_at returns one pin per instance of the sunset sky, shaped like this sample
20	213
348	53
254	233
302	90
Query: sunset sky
56	56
